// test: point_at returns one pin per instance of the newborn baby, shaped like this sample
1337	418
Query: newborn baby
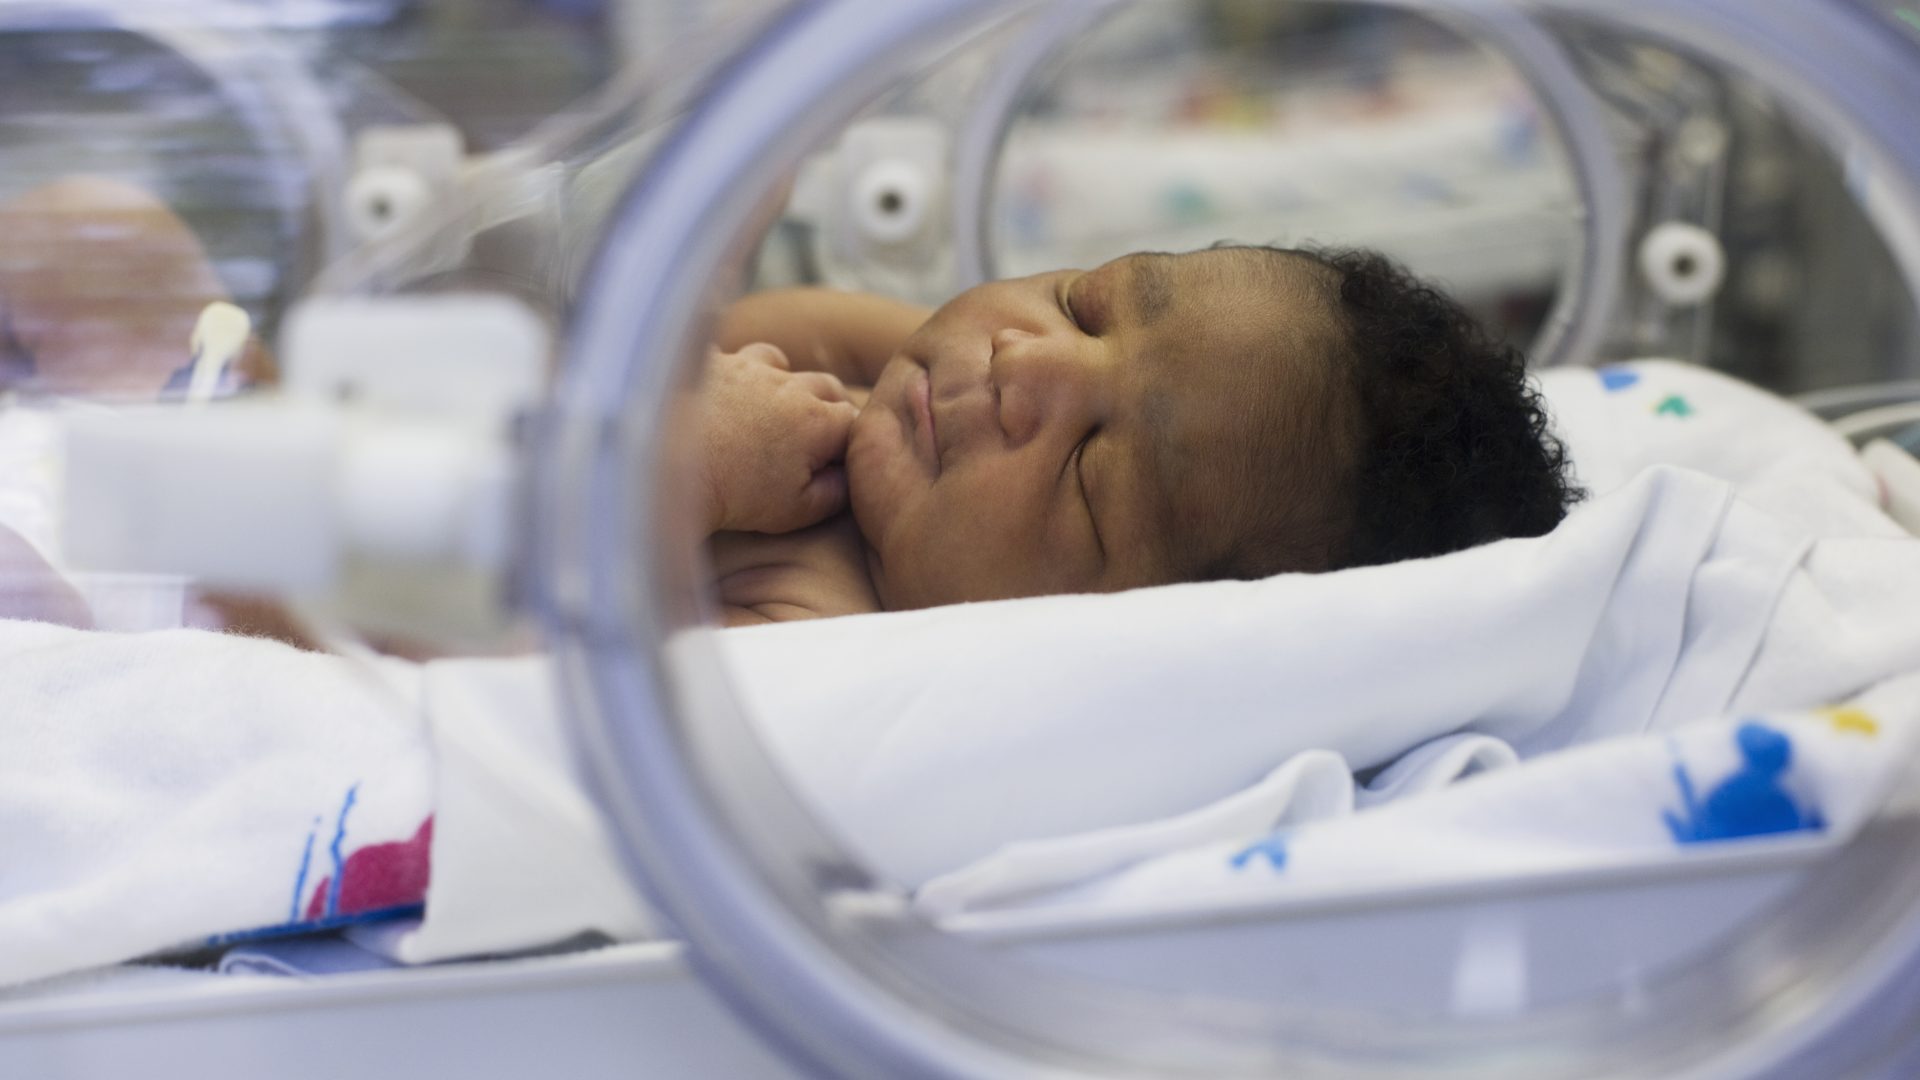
1229	413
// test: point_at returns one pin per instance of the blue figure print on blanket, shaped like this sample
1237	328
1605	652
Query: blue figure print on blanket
1616	378
1273	847
1750	802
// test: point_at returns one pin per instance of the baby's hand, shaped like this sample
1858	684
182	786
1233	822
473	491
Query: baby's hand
774	439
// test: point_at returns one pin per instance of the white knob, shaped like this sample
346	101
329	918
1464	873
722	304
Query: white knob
382	197
1682	263
890	200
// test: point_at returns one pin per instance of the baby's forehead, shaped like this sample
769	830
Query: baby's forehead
1230	297
1246	353
1245	316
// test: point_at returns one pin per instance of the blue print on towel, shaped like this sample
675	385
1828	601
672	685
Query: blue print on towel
1751	802
1273	847
300	879
339	862
1616	379
329	916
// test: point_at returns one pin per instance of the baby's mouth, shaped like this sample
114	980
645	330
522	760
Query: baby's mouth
920	407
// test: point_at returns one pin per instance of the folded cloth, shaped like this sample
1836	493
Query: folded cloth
1314	785
1808	777
313	955
1842	621
521	856
158	790
1311	785
1433	765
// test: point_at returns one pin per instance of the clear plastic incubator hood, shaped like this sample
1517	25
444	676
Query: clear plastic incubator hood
1637	797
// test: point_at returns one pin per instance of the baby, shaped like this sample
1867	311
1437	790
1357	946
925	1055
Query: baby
1229	413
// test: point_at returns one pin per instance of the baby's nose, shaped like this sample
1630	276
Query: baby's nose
1039	382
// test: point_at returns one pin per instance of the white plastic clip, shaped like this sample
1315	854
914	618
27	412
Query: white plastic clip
219	339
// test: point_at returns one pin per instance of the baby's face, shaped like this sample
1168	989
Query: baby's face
1075	431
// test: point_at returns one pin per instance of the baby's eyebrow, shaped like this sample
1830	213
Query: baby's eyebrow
1152	286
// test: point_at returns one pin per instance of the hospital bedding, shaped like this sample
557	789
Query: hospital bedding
180	789
1809	776
159	789
1842	621
1746	588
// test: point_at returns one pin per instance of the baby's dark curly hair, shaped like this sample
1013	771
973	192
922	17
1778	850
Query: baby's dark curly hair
1419	433
1457	447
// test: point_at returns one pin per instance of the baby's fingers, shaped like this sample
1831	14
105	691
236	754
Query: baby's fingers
822	385
825	495
770	355
829	426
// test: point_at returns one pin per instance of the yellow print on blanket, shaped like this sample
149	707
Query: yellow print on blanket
1849	720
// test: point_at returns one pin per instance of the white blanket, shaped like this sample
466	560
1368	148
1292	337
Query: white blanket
163	789
182	788
1795	777
933	738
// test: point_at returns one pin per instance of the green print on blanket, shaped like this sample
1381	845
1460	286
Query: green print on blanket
1673	405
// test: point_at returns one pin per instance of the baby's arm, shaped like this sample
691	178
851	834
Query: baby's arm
848	335
816	573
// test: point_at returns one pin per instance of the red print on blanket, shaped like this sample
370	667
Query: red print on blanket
379	876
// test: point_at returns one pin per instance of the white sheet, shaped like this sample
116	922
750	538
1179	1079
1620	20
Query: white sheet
1794	777
160	789
933	738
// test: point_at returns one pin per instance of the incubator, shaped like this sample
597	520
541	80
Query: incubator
897	845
